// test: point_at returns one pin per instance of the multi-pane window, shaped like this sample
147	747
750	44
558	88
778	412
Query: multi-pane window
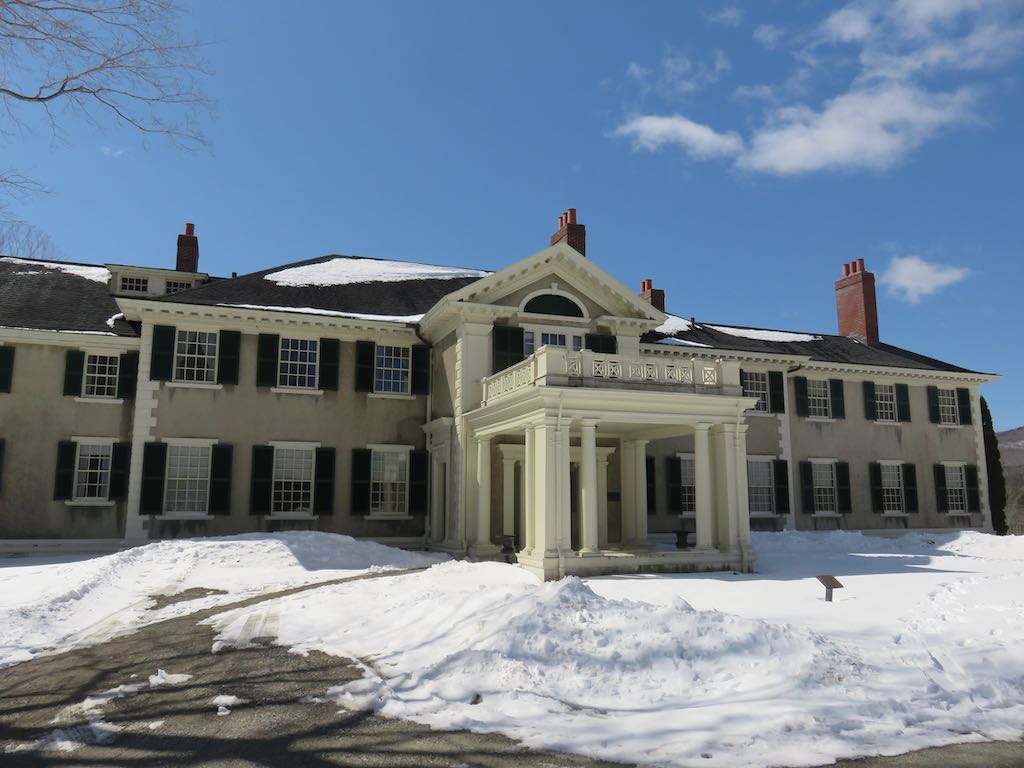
391	372
885	402
100	376
948	411
760	490
173	286
92	471
195	356
818	404
389	480
892	488
187	479
293	481
756	385
956	493
549	339
135	284
823	475
297	363
688	486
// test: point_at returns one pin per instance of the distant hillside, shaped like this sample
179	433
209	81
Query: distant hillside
1011	450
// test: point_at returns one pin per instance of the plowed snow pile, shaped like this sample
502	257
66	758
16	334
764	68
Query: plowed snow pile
924	646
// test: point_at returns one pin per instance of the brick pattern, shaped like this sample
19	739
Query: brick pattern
856	308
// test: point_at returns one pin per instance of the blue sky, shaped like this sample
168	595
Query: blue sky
736	154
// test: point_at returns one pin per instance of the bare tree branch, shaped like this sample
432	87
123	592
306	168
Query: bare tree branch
19	238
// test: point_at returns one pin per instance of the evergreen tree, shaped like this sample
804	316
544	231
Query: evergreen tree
994	469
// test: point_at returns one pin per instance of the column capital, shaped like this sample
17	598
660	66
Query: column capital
485	440
588	423
702	426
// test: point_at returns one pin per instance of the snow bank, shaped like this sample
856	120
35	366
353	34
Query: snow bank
97	274
763	335
923	647
344	271
62	602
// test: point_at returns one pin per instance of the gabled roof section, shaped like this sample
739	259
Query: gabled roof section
59	296
816	346
356	285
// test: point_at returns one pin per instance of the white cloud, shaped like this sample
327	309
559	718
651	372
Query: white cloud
768	35
872	128
848	25
911	278
728	17
113	152
652	132
680	75
636	72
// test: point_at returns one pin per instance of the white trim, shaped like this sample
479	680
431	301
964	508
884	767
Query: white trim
191	441
296	391
280	516
192	385
298	445
821	461
891	462
97	440
554	290
87	502
390	396
184	516
281	388
953	463
393	447
105	400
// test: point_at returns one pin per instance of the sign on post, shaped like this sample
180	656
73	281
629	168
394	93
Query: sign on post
830	583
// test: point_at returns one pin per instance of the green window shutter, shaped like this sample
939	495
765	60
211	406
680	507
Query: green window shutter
154	466
806	487
366	352
2	444
910	488
674	483
362	460
420	383
902	402
6	368
800	383
64	482
128	375
161	366
973	493
601	343
941	498
506	347
835	391
120	454
870	405
652	488
963	405
843	497
330	364
261	483
776	392
780	480
875	477
419	464
934	414
267	348
221	455
74	372
323	482
229	350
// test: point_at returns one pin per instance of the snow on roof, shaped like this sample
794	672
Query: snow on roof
331	313
344	271
763	335
681	342
674	325
56	330
98	274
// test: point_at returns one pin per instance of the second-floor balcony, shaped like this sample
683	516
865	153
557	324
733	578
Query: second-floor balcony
557	367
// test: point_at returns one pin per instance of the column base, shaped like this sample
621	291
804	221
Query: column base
485	552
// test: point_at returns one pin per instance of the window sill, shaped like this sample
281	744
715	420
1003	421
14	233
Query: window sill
764	514
821	419
390	396
827	514
293	518
949	426
192	385
89	502
752	412
104	400
389	517
888	423
296	391
688	516
173	516
895	514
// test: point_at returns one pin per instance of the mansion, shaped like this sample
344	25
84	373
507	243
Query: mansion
543	412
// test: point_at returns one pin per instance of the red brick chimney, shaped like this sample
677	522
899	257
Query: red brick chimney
656	296
188	250
572	233
855	302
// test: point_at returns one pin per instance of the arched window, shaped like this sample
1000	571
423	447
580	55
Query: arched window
553	304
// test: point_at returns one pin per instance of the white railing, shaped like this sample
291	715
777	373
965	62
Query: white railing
552	366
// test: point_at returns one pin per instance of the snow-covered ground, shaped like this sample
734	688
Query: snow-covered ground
64	601
924	646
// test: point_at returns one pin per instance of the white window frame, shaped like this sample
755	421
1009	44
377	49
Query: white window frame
92	442
961	466
188	442
315	386
277	513
90	356
770	461
131	284
684	488
953	406
814	400
184	285
890	469
885	404
381	449
831	463
575	338
405	392
761	395
176	377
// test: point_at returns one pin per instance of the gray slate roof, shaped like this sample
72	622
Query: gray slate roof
35	295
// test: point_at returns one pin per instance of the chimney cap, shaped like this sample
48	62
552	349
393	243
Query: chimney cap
190	229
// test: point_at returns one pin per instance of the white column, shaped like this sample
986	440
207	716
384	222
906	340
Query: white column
143	422
627	495
602	503
529	478
508	495
640	492
545	490
564	481
742	496
726	454
483	494
588	487
702	480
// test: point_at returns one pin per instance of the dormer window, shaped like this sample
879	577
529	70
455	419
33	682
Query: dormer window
134	284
